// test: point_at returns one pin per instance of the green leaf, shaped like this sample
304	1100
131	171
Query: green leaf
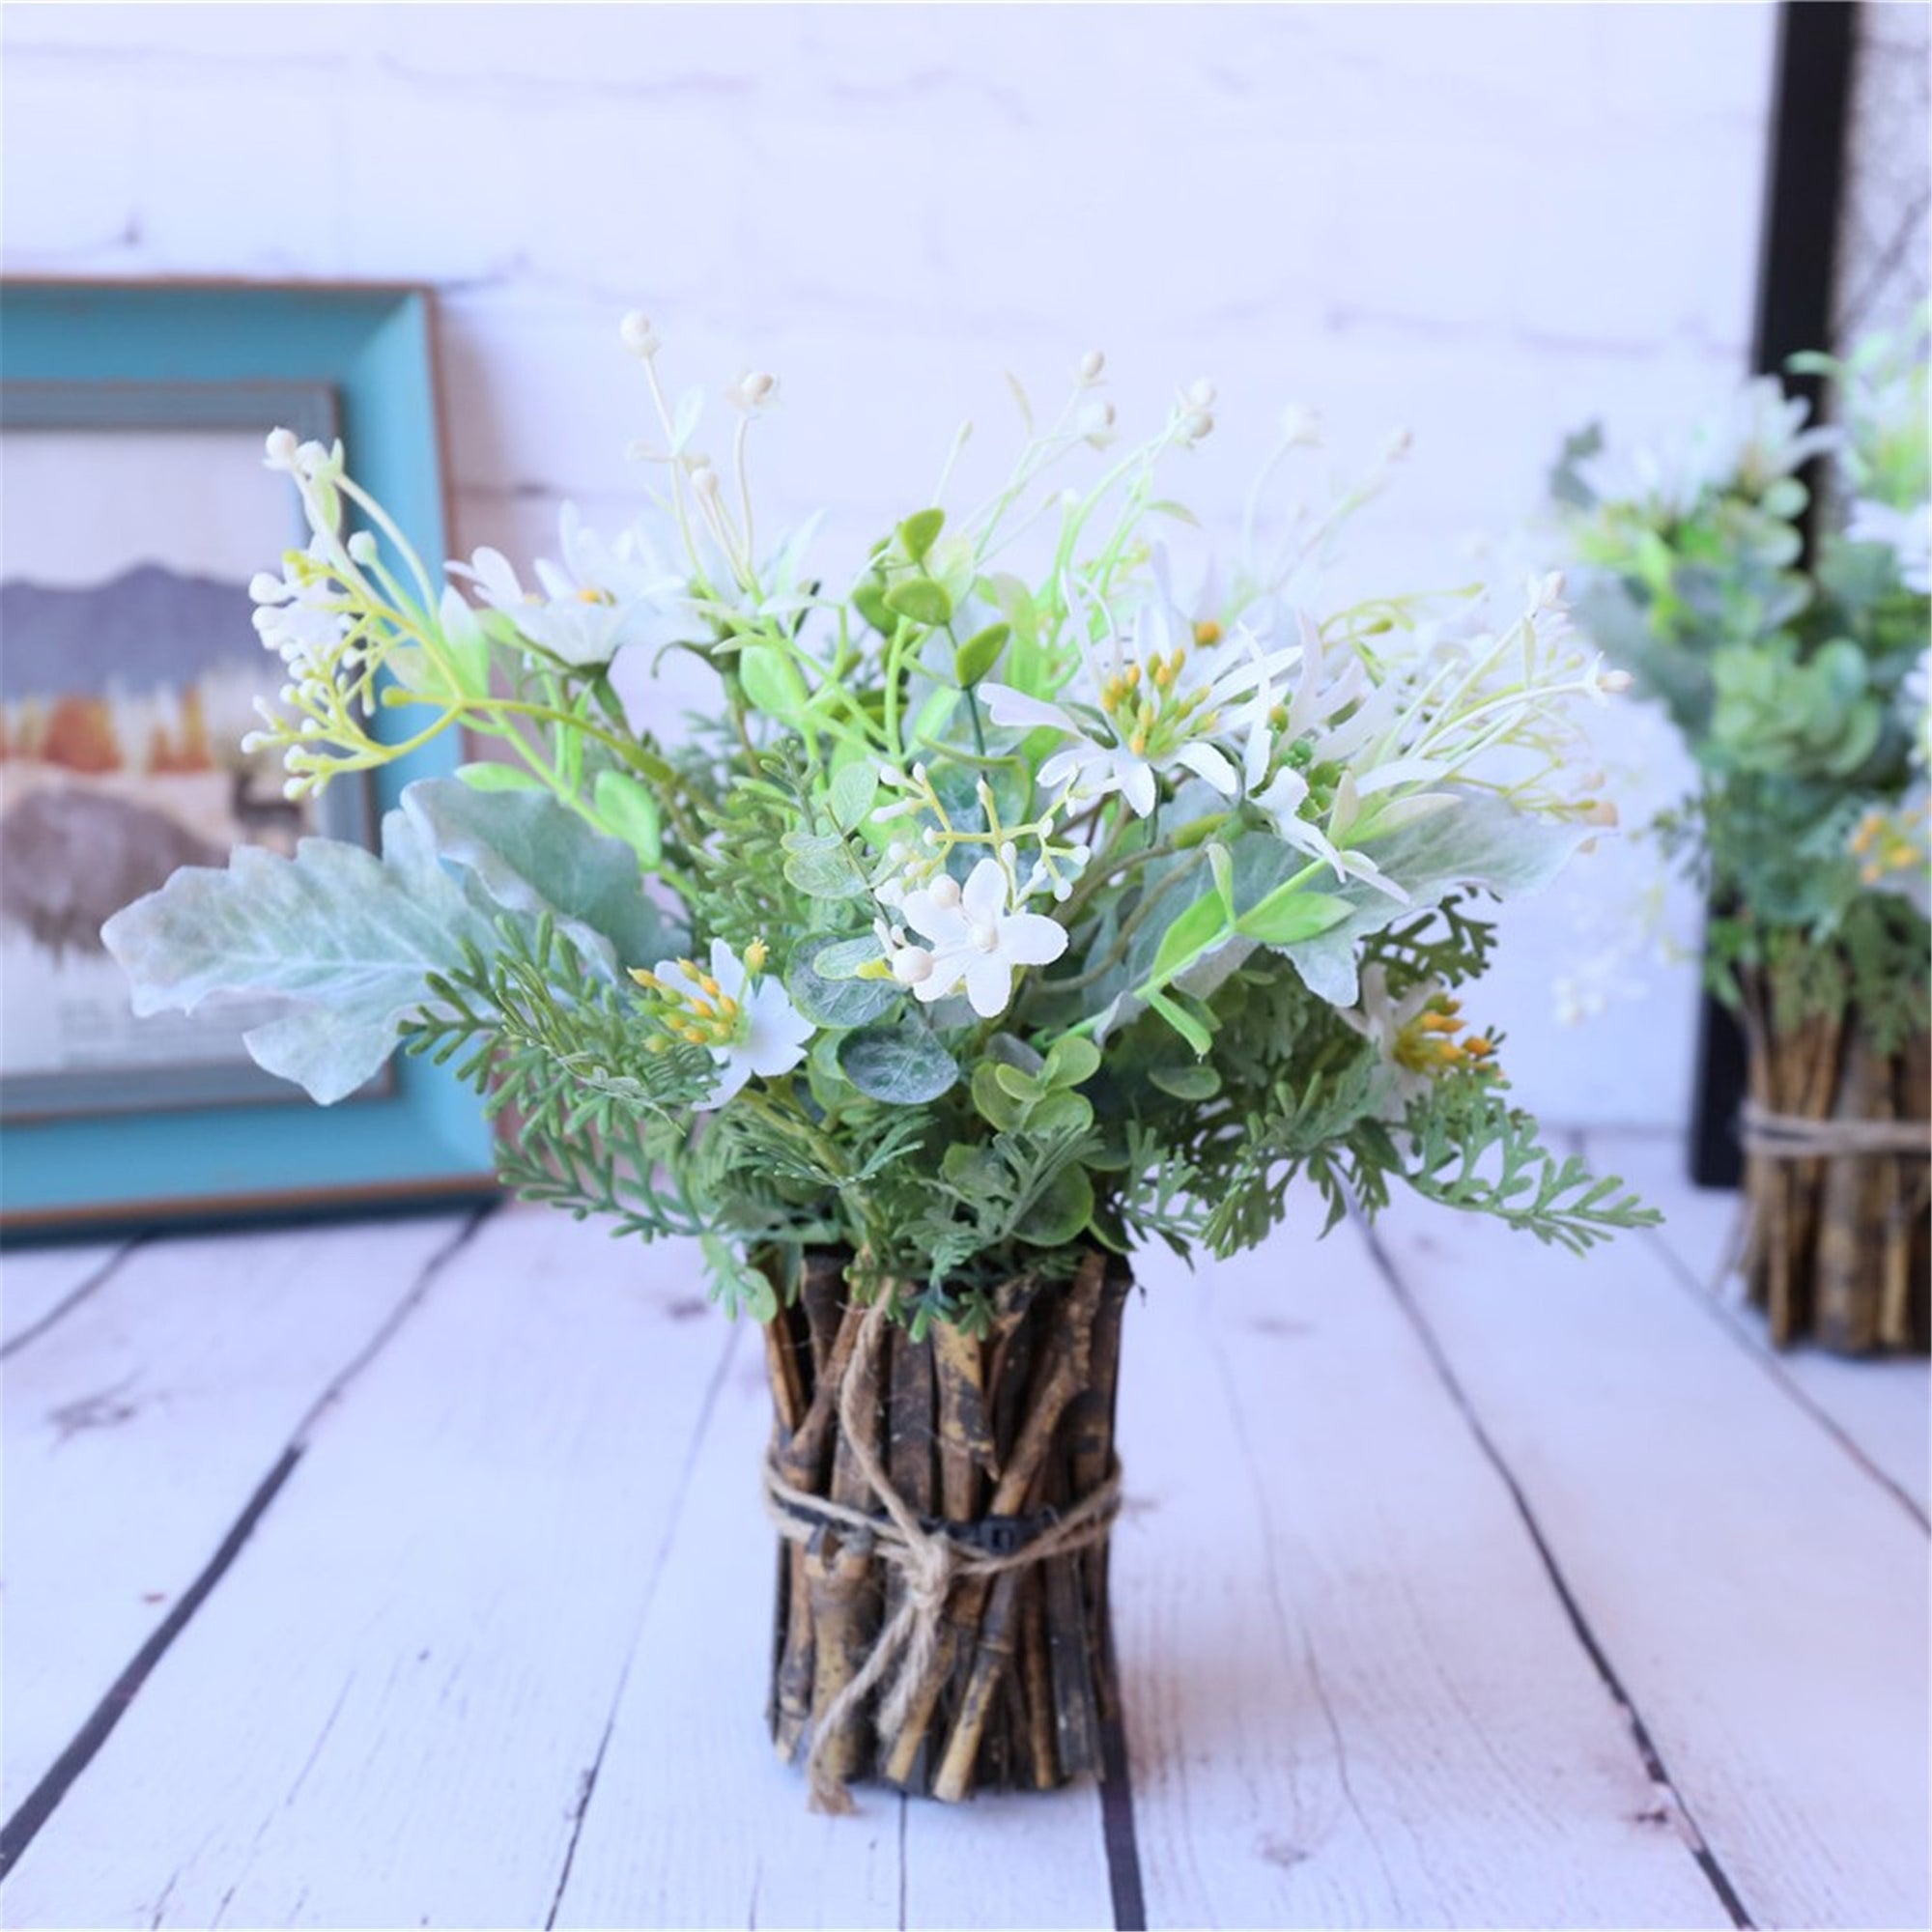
345	937
533	855
844	958
905	1064
771	681
630	810
1292	913
918	532
1071	1061
920	599
821	865
992	1102
979	653
1186	1083
828	1001
1177	1014
1189	936
1013	1080
853	789
1059	1113
868	599
1061	1213
491	774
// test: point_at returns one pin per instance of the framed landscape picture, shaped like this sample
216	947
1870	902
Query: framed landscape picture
135	507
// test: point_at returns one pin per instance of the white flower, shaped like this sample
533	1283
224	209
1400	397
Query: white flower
1156	711
1416	1036
974	935
299	614
1906	533
746	1020
601	599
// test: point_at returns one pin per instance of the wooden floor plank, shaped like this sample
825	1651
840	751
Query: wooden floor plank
747	1850
386	1713
138	1427
1762	1599
1881	1407
1353	1695
36	1283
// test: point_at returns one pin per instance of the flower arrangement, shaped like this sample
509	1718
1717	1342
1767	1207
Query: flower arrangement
1800	688
1001	915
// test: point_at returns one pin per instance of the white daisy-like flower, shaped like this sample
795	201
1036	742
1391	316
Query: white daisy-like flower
1156	711
1418	1033
974	934
746	1020
1906	533
599	600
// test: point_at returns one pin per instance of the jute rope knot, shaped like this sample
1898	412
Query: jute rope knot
1776	1136
930	1561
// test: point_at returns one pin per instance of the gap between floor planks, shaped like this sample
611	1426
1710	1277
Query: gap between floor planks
1877	1409
1725	1545
40	1772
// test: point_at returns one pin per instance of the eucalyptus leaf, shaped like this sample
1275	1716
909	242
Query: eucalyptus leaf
903	1066
830	1001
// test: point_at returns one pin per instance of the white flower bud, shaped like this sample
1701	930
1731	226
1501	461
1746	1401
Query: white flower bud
1096	421
265	589
1093	365
637	335
1195	424
362	547
1201	393
1063	891
913	966
1398	445
1300	427
943	891
1547	592
752	393
1614	682
704	478
281	447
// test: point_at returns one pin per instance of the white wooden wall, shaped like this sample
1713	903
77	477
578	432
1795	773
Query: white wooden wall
1487	224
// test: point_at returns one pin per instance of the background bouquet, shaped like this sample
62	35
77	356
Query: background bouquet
1021	902
1800	687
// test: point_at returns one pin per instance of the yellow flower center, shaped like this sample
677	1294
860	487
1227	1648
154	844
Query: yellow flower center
1435	1041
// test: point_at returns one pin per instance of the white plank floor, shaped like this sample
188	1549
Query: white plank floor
411	1573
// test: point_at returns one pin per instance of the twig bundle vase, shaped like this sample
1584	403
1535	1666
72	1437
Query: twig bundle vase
943	1502
1837	1182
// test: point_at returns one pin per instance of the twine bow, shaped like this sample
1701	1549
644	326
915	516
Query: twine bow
1764	1132
930	1562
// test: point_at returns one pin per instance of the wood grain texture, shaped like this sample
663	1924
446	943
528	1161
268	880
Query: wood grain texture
138	1427
1882	1407
388	1712
36	1283
1763	1600
1352	1697
694	1821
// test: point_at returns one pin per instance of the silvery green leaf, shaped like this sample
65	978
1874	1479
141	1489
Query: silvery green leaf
829	1000
903	1065
821	865
1478	843
854	787
532	855
842	958
345	935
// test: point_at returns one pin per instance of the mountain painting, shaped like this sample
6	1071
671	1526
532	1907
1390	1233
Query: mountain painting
123	696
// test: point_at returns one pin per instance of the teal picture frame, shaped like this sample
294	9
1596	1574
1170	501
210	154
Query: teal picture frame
422	1140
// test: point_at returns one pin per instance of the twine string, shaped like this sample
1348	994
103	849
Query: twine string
929	1560
1776	1136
